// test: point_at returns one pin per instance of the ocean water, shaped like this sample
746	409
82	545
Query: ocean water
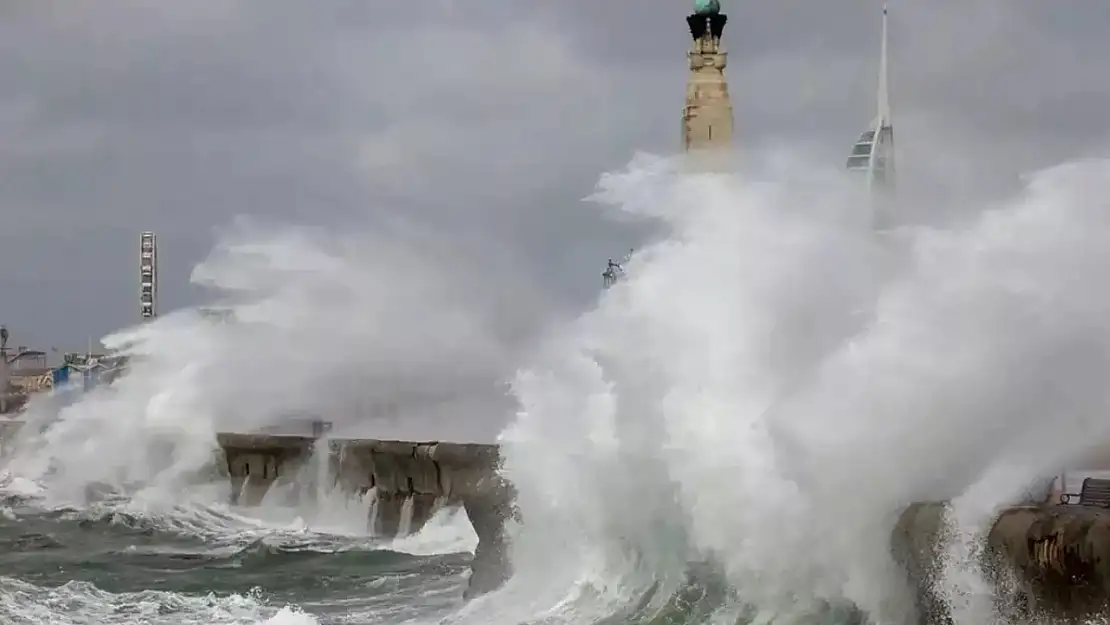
118	562
726	436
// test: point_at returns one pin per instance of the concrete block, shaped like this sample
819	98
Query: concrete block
393	448
462	455
1045	561
421	475
490	567
354	469
427	474
423	507
388	477
387	514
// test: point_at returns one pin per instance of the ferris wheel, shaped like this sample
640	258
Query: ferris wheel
148	275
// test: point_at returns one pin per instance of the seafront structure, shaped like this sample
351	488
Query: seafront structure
23	372
614	272
707	115
409	480
873	153
707	112
148	276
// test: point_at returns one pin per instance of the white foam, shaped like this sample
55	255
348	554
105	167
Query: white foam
361	329
80	602
448	531
289	616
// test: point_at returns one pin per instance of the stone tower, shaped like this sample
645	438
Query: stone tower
873	153
707	116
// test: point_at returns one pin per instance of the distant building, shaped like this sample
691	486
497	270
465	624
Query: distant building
23	371
92	369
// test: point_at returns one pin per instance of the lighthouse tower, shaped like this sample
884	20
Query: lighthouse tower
707	116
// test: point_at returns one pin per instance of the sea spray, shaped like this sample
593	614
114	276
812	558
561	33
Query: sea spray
756	393
734	425
360	329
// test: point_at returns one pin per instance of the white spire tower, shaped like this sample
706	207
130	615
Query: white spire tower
873	153
883	118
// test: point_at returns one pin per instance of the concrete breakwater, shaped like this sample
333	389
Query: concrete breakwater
421	475
1042	560
1047	558
410	480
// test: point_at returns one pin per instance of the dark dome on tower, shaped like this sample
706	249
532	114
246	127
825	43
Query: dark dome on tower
707	7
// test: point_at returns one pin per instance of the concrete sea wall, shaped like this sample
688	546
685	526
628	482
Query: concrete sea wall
1046	559
422	475
1043	561
409	479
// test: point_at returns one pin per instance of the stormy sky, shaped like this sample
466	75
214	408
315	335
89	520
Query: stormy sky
485	120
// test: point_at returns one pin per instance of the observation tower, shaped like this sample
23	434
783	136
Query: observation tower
873	153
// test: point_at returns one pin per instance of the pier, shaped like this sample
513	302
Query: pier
409	479
424	475
1047	558
1050	558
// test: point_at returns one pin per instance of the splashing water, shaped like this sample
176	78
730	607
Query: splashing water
26	603
760	395
358	330
726	436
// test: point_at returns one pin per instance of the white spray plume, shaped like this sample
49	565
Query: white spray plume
769	385
386	335
773	382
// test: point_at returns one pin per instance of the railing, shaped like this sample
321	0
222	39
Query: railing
1095	492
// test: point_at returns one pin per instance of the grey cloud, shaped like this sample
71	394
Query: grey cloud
488	120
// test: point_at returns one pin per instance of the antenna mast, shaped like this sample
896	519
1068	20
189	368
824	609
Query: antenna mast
884	77
614	273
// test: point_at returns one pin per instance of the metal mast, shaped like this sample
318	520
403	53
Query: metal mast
614	273
148	275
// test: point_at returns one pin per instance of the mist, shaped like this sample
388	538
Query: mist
774	382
